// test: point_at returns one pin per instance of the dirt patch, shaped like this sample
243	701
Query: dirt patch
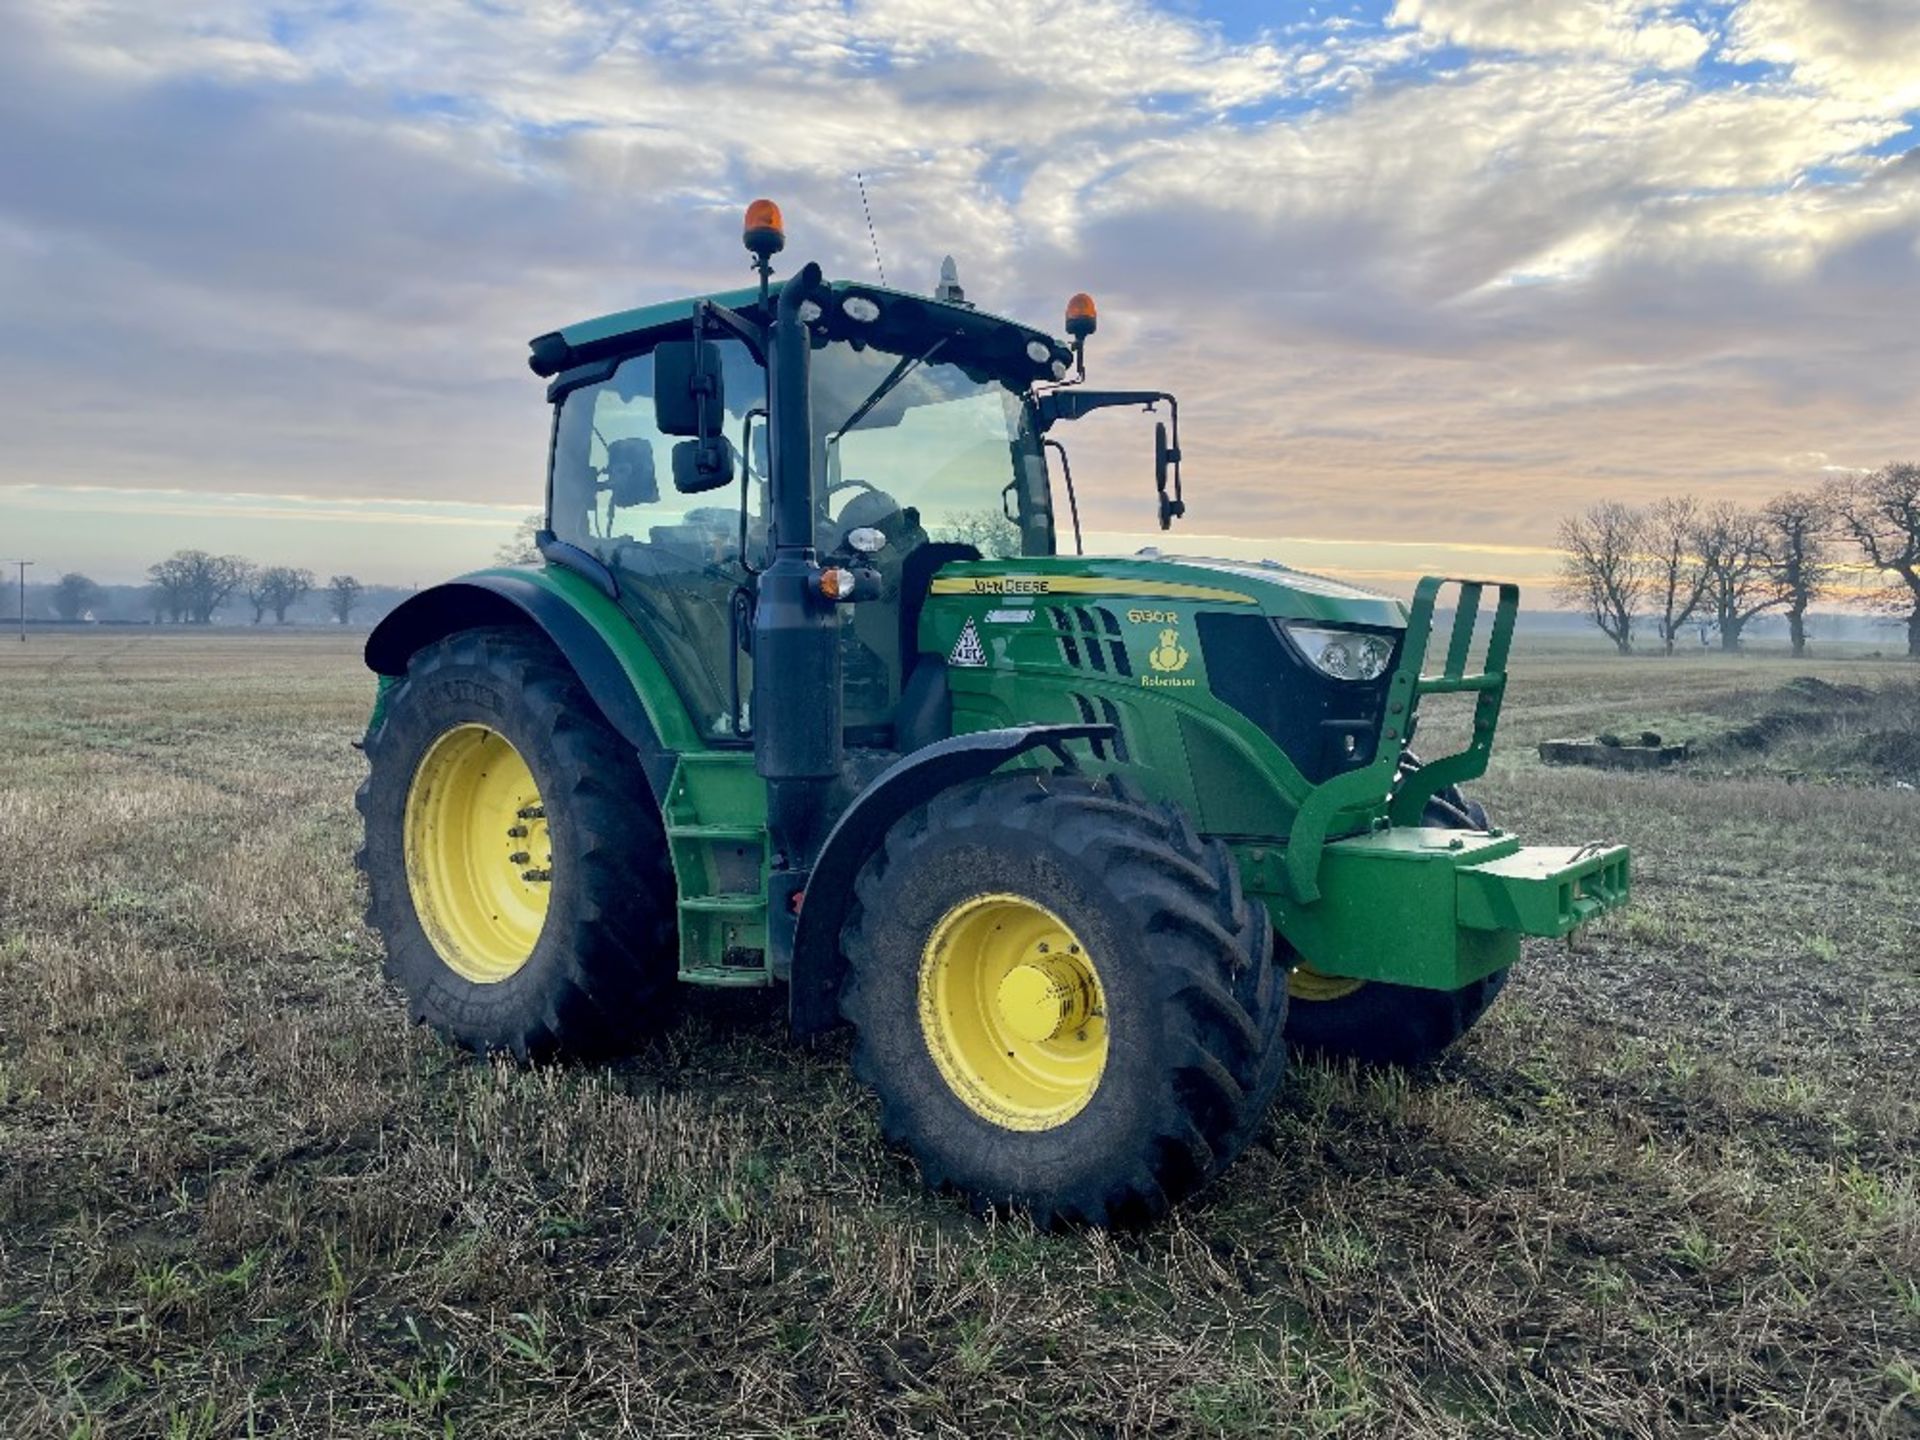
1817	729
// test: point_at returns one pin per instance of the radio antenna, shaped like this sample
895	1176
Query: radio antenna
867	210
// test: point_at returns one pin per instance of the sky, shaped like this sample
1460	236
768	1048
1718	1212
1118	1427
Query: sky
1426	274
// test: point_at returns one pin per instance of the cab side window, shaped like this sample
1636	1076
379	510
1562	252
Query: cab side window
679	557
612	481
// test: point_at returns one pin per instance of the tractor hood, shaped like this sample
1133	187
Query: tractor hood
1266	586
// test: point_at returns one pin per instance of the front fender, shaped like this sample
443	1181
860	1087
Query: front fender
818	966
610	657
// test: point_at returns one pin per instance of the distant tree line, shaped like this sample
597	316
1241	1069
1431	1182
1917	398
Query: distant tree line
190	587
1677	562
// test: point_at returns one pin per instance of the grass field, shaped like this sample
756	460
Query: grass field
1670	1188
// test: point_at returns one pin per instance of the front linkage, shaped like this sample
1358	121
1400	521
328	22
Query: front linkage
1405	901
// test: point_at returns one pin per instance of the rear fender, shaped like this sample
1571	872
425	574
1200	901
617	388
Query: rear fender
611	659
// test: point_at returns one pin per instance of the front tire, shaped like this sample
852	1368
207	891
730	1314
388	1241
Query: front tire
1062	998
516	866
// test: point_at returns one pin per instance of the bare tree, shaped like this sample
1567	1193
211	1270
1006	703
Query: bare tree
988	531
343	593
1741	580
1603	571
169	596
1799	528
1881	514
277	588
1678	580
74	594
195	584
520	548
257	592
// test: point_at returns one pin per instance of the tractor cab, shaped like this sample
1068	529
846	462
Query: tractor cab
928	450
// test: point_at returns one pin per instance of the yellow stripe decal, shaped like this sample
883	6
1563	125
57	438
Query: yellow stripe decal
1084	585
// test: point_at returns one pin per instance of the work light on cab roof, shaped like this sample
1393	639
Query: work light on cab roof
765	234
1076	844
1083	318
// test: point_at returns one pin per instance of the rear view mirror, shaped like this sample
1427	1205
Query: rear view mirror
1166	461
630	473
702	465
688	396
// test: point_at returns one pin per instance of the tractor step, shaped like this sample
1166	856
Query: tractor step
716	835
744	834
725	905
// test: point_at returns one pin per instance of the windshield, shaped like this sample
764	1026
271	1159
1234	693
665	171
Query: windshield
925	450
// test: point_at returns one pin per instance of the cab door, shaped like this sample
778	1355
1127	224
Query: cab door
685	563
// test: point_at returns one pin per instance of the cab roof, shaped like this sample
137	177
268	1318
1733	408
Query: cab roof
905	320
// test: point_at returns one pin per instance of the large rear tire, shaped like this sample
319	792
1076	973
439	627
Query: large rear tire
516	866
1378	1023
1062	998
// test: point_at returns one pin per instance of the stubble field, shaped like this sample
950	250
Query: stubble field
1670	1188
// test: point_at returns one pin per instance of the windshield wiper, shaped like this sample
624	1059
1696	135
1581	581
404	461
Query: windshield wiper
885	387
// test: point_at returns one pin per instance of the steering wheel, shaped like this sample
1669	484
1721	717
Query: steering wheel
880	503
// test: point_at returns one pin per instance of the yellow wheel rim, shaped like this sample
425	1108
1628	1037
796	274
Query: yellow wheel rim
1012	1012
479	857
1306	983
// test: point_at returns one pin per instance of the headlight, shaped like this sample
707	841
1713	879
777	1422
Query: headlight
1343	654
861	309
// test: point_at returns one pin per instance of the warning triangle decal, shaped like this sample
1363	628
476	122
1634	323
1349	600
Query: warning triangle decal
968	650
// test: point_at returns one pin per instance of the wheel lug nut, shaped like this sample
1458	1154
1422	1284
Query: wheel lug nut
519	857
516	832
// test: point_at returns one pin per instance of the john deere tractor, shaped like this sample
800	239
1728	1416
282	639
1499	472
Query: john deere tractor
807	691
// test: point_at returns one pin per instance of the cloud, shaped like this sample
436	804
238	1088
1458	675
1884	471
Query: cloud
1628	30
1427	273
1865	50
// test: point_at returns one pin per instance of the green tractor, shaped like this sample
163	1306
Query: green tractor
1077	846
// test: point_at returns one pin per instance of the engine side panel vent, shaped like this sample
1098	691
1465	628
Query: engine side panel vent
1089	638
1102	711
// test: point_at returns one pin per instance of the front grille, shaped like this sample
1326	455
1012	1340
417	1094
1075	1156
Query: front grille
1323	725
